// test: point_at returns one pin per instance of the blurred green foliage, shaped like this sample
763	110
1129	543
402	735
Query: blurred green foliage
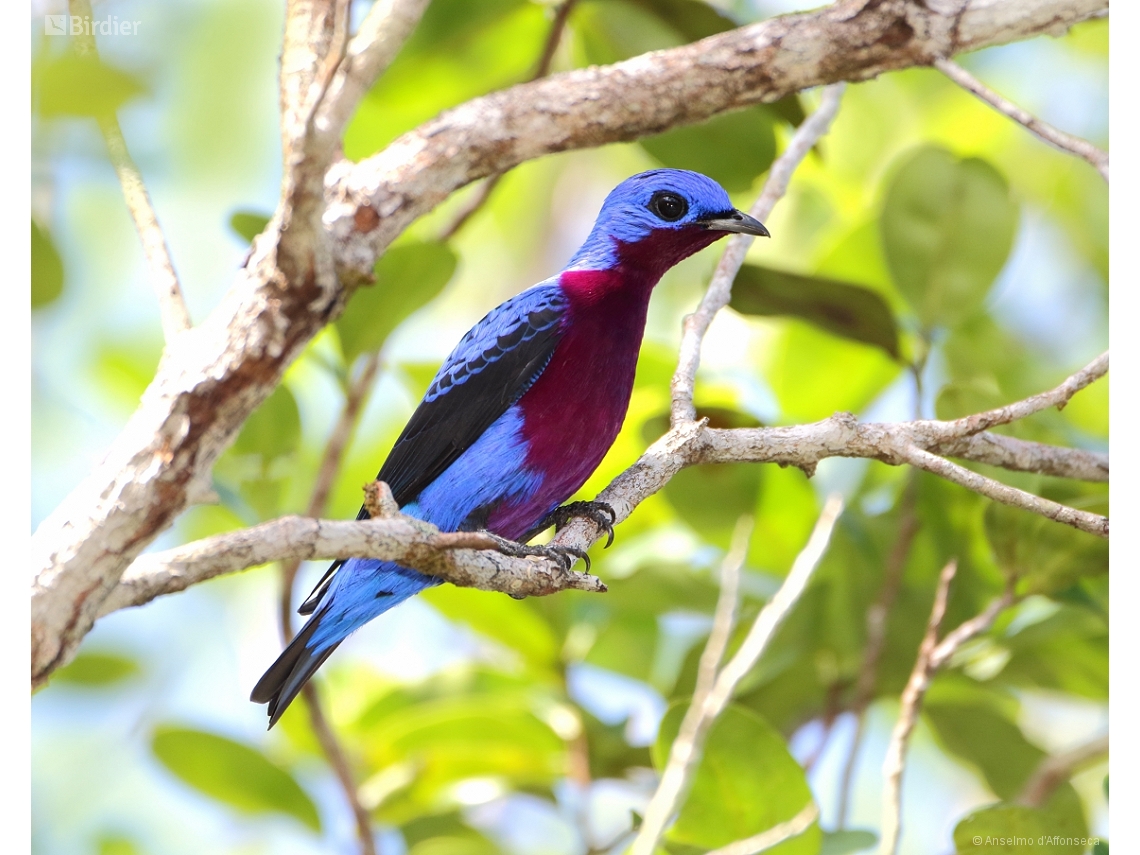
914	238
233	773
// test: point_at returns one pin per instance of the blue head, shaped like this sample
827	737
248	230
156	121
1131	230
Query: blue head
654	219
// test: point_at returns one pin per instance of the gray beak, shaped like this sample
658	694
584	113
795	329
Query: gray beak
735	221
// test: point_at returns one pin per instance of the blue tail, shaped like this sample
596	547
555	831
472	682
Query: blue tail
360	590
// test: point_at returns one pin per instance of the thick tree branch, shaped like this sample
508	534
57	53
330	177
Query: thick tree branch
467	559
719	291
1042	130
648	94
171	304
304	266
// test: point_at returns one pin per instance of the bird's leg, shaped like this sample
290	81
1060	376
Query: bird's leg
563	556
600	512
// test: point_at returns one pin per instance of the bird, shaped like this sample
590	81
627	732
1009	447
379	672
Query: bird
523	410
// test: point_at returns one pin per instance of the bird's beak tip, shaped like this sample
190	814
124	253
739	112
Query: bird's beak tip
738	222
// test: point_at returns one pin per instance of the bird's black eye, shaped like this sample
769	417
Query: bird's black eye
668	206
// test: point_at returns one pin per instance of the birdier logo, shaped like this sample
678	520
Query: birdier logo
85	25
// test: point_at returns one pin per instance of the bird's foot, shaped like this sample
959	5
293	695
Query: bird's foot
563	556
599	512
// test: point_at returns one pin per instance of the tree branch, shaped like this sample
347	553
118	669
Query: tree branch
171	304
466	559
803	446
999	492
719	291
388	25
775	835
355	396
877	618
1019	455
417	545
303	267
932	655
1058	768
685	753
549	47
1042	130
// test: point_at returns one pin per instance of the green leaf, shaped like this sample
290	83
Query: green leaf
848	310
1046	555
746	782
117	844
732	148
47	269
692	19
235	774
440	742
274	428
947	227
987	739
248	224
814	374
71	85
444	834
711	498
97	670
959	399
407	277
1066	652
845	842
1008	829
512	622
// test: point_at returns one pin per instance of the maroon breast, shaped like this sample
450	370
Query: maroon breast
573	413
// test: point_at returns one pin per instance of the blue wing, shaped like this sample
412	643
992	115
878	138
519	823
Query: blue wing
493	366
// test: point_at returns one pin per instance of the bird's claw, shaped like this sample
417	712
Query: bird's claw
563	556
601	513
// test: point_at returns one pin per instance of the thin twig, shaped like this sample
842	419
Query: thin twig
1067	143
775	835
685	753
1058	768
999	492
932	655
383	32
338	441
877	618
1019	455
1057	397
171	304
542	68
318	501
719	291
